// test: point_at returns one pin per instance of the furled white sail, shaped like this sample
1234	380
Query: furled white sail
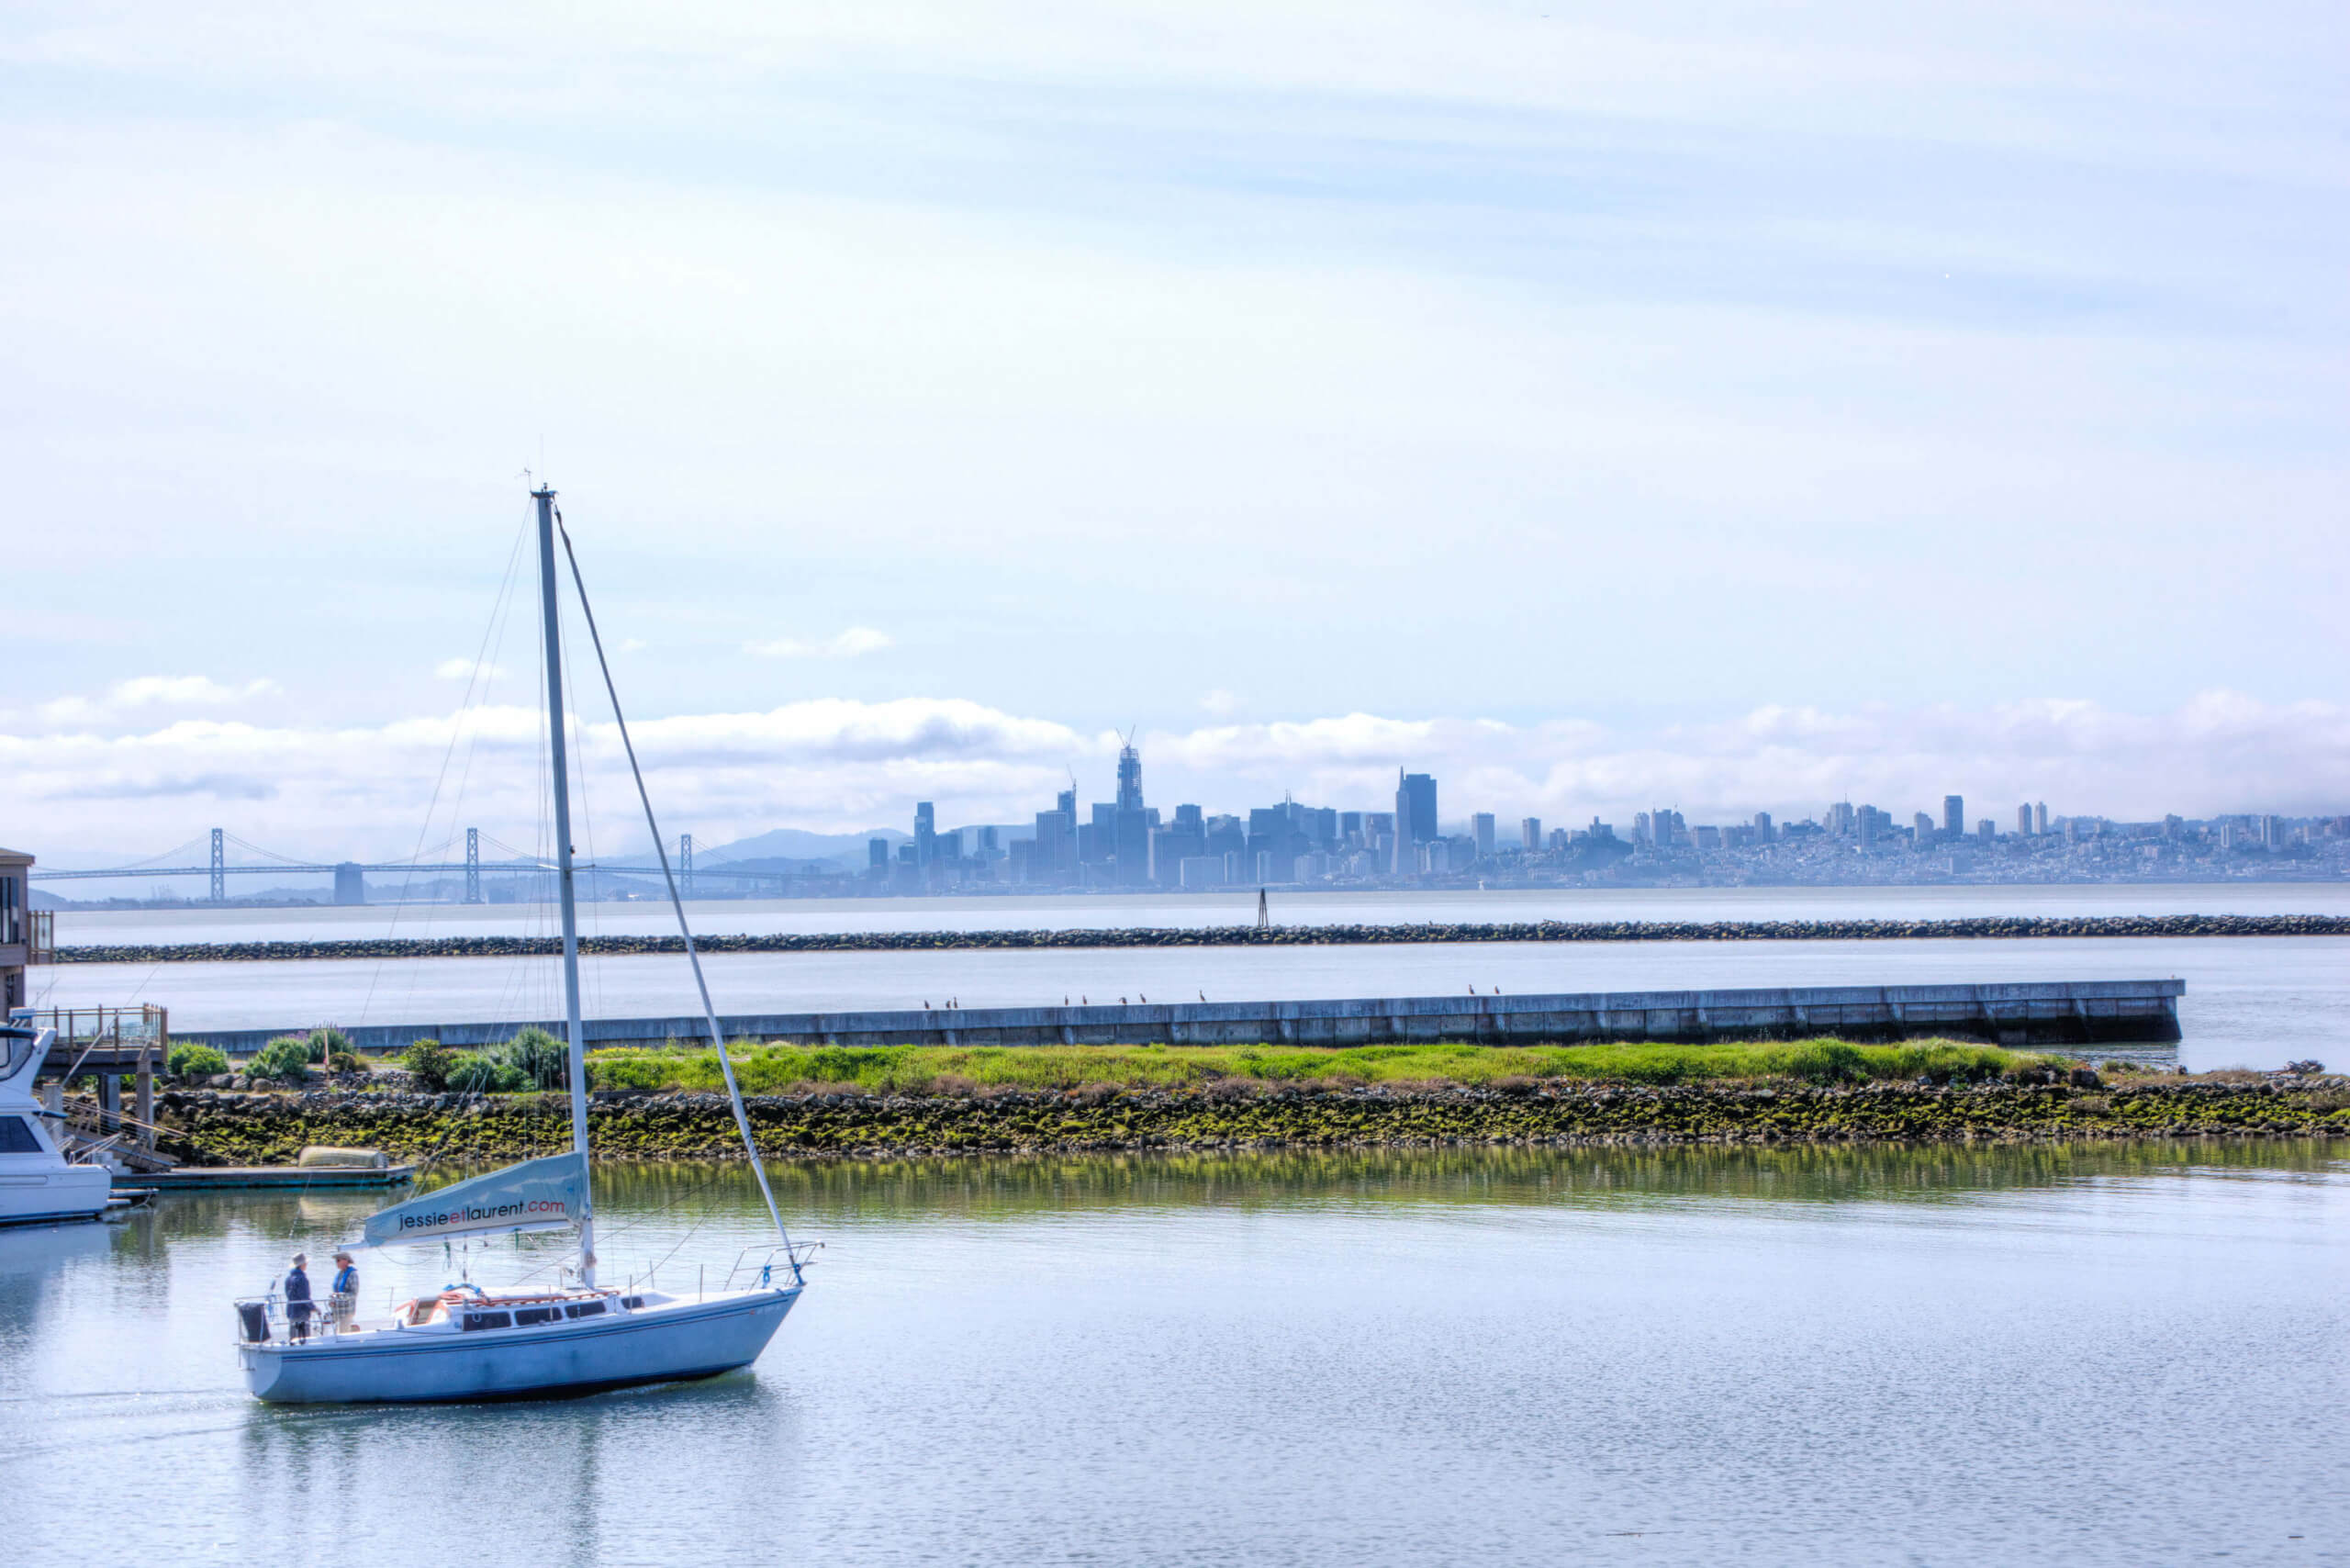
537	1194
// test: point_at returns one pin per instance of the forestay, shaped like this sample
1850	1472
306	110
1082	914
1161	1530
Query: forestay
537	1194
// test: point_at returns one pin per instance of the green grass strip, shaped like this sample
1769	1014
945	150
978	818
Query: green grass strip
915	1070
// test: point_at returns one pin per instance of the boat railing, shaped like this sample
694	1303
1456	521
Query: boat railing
759	1266
263	1320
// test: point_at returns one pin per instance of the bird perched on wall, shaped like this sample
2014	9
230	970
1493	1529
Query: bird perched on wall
1203	996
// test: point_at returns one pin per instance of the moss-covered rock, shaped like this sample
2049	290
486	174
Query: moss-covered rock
214	1127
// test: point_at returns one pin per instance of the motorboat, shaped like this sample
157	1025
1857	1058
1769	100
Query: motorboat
467	1342
39	1185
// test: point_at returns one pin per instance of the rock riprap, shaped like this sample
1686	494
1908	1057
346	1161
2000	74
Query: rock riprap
1983	928
233	1128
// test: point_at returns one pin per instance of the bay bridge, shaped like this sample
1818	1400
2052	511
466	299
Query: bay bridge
351	875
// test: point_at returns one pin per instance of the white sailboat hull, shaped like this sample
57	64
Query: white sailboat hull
657	1344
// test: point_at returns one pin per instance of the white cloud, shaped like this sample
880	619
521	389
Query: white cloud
855	642
181	692
468	669
1220	702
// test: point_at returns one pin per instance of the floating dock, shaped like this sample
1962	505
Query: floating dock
299	1178
2055	1014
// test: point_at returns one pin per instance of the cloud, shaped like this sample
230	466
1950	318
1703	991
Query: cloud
855	642
152	691
220	786
1220	702
468	669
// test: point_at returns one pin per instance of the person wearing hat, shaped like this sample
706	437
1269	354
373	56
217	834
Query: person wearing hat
297	1298
343	1297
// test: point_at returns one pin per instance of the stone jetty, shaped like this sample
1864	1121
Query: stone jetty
1978	928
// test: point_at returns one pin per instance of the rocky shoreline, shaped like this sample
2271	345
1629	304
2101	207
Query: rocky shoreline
1987	928
226	1127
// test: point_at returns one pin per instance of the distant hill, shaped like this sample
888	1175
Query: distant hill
791	843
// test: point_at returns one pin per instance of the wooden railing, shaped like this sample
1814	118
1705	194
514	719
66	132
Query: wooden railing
115	1031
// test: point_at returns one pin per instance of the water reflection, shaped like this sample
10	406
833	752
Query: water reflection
920	1190
2124	1352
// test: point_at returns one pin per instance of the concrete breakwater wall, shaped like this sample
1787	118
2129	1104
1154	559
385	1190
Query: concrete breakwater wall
1987	928
2078	1013
256	1129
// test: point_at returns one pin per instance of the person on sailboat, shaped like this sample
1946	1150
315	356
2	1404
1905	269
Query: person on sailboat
343	1297
297	1298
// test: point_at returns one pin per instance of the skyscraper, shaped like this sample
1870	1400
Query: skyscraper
2023	821
1131	822
1420	790
1481	828
1954	817
1407	859
1529	833
1129	780
926	833
2039	818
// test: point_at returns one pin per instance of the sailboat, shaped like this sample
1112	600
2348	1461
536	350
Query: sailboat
464	1343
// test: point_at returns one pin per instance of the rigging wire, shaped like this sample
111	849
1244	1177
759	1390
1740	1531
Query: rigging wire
475	678
710	1013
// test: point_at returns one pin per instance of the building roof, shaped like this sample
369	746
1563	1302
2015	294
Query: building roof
15	857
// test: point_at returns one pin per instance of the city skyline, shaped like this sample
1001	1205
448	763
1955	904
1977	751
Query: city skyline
1128	844
1124	844
844	768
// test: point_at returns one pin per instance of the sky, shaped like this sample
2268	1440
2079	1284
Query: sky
1720	407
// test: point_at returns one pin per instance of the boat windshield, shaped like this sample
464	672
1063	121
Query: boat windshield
19	1044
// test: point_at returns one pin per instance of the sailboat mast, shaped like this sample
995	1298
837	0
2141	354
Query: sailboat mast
559	766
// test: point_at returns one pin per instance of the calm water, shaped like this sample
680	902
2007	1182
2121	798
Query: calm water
1924	1357
1066	912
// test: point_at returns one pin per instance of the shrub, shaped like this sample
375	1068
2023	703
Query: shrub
486	1072
427	1061
285	1058
326	1041
193	1060
346	1061
540	1058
